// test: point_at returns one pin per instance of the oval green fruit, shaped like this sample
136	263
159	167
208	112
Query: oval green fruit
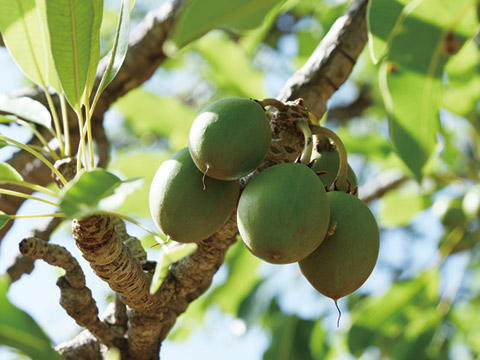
180	205
283	213
344	260
328	161
229	138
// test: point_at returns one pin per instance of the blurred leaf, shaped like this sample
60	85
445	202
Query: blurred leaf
23	27
245	81
70	24
3	219
26	108
82	195
392	318
113	354
411	79
199	17
120	46
147	112
372	145
318	344
398	207
384	21
462	88
20	331
8	172
290	336
143	164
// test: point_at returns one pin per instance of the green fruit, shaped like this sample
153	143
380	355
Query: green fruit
452	214
328	162
283	213
229	138
344	260
180	205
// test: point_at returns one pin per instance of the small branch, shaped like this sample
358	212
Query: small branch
25	264
75	297
381	185
84	346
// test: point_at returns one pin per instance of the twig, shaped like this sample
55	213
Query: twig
381	185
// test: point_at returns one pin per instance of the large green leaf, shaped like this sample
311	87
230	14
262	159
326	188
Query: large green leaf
120	45
94	46
82	196
200	16
7	172
20	331
26	108
70	23
411	78
23	27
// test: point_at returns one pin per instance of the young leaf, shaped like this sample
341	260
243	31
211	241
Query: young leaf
200	16
94	46
411	78
7	172
3	219
175	253
83	195
26	108
70	23
20	331
119	48
24	32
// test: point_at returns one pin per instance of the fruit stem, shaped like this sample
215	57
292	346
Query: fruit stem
272	102
302	125
341	182
26	196
339	313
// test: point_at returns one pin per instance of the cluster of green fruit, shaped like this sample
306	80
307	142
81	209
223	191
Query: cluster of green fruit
285	213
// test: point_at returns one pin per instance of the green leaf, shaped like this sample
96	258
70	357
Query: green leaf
20	331
94	47
3	219
200	16
384	21
7	172
175	253
83	195
120	46
397	208
411	78
26	108
70	23
23	27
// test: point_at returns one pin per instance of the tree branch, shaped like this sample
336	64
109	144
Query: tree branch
75	297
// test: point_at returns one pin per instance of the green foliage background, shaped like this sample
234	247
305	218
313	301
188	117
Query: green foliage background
420	118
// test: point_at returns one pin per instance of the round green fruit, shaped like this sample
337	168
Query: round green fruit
344	260
229	138
185	208
283	213
328	162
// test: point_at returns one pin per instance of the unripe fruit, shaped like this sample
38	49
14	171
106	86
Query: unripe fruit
229	138
344	260
184	208
283	213
328	161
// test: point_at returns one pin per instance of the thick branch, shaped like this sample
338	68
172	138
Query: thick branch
75	297
332	61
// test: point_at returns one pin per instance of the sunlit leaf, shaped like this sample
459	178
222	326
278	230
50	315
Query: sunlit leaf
26	108
20	331
174	254
120	46
82	196
23	27
3	219
94	46
7	172
70	24
397	208
411	78
199	17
